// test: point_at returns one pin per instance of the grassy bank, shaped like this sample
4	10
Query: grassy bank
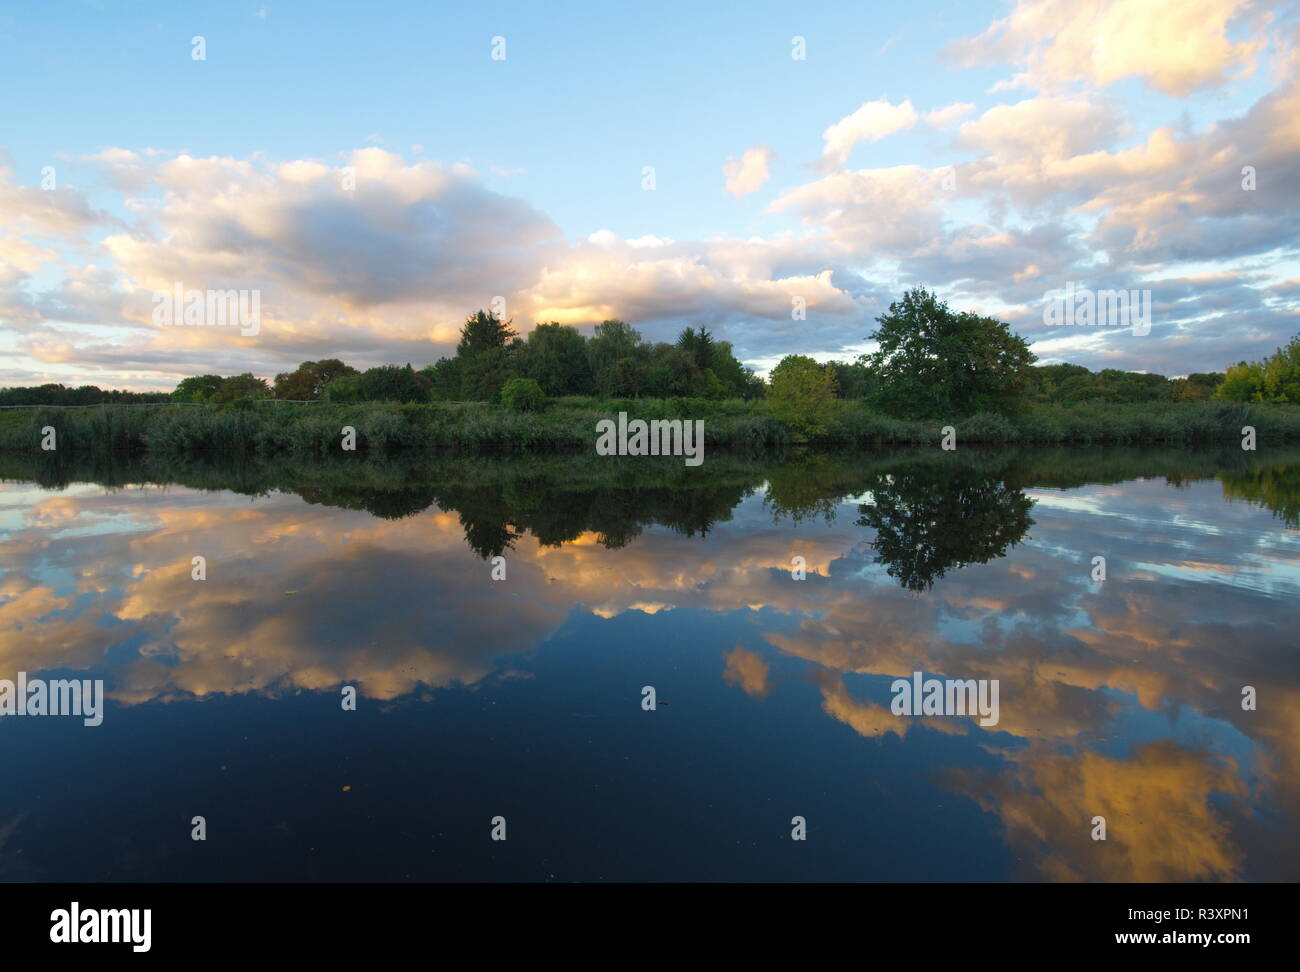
569	425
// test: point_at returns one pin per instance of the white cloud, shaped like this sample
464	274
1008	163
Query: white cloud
872	121
1175	46
948	115
749	172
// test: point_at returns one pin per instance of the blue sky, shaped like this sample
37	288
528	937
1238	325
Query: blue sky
1097	142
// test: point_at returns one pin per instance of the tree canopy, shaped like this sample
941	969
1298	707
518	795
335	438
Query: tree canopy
936	362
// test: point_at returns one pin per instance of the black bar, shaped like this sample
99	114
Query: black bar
923	921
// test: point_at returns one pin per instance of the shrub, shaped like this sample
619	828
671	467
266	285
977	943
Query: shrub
523	395
802	396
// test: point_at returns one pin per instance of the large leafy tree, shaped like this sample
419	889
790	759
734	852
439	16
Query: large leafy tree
483	375
699	345
611	342
1275	379
483	357
445	378
738	380
308	382
392	383
200	388
936	362
483	331
626	379
555	357
673	373
237	387
801	394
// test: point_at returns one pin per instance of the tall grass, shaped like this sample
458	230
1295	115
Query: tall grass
569	425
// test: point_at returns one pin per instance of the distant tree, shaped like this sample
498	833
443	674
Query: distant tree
853	380
238	387
1275	379
57	394
1243	382
1282	373
200	388
673	373
739	381
345	388
1195	387
1049	378
483	331
308	382
444	377
935	362
801	394
484	374
626	379
392	383
610	343
699	345
555	356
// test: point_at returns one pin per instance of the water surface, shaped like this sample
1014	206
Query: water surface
521	697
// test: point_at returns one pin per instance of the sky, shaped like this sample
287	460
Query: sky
378	172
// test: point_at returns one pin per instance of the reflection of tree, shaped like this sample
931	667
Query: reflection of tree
807	489
1276	487
494	516
388	504
488	538
929	521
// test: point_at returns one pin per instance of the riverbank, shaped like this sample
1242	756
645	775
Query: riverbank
269	428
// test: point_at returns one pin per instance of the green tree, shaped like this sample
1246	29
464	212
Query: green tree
200	388
673	373
1282	373
308	382
555	356
1243	382
483	331
739	381
523	395
934	362
626	379
699	345
853	380
345	388
801	395
238	387
1195	387
445	378
611	342
392	383
483	374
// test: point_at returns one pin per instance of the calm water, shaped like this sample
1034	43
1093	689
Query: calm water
522	697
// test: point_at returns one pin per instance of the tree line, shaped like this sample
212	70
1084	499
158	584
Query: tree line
59	394
932	361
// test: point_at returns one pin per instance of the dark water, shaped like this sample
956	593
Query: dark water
522	698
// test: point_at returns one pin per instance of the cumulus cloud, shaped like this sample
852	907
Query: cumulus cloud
948	115
749	172
1174	46
871	122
